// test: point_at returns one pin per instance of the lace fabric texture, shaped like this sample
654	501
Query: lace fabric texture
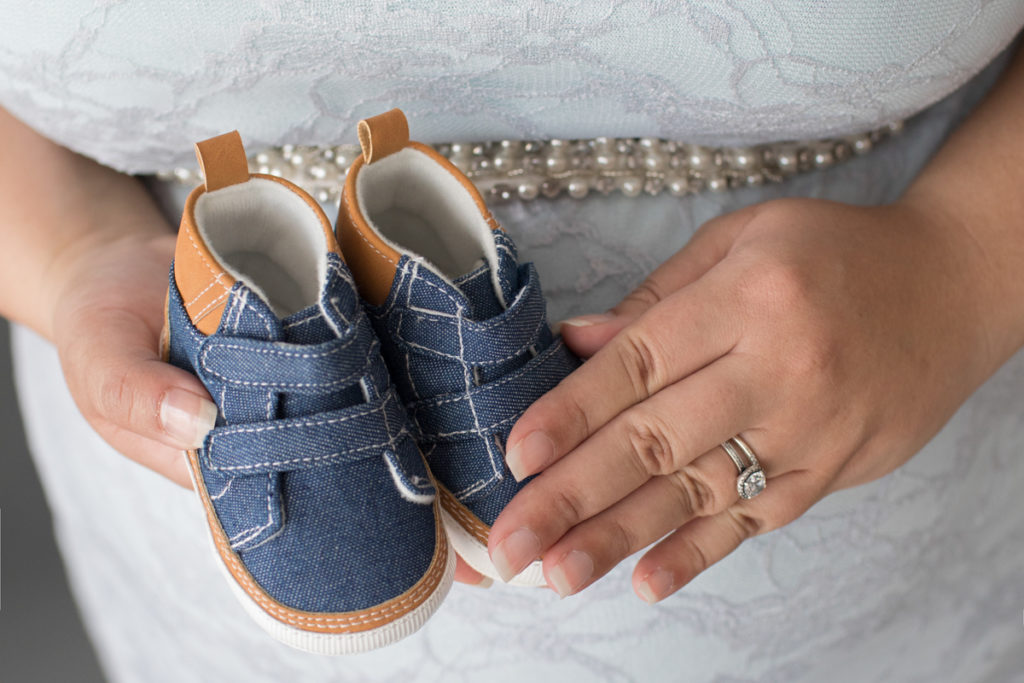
134	84
914	577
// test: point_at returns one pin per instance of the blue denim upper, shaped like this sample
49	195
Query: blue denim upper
467	364
312	470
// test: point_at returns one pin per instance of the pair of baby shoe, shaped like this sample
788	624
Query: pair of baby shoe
339	362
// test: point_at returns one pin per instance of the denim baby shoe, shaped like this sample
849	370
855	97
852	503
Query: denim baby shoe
462	325
321	510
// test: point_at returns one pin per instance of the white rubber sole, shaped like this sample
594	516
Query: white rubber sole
333	643
475	555
345	643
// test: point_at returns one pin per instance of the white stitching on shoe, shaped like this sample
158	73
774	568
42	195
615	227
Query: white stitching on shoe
318	458
215	281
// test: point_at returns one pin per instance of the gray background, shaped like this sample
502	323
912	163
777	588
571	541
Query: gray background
41	636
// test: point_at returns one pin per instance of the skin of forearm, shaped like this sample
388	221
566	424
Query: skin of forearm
975	184
56	206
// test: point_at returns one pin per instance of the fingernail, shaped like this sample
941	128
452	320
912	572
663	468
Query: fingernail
485	582
519	549
187	417
571	573
656	586
587	320
531	454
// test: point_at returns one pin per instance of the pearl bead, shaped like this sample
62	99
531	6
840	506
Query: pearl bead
550	188
655	161
556	164
678	186
786	160
527	191
578	188
862	144
823	157
743	158
717	183
631	187
700	158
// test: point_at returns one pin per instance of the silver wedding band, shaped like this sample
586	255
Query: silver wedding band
751	480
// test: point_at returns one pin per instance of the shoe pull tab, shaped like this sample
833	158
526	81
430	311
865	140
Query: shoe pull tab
222	161
383	134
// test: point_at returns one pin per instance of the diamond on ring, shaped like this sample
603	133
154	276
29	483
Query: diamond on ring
751	480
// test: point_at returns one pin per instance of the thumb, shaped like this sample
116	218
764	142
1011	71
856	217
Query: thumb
586	334
118	380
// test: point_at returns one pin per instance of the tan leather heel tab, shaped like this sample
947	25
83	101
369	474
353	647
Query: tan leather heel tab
203	283
373	261
383	134
222	161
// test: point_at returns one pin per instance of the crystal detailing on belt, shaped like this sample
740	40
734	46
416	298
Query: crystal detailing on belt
504	170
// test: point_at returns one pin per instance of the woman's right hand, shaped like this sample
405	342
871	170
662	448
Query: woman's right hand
84	260
107	317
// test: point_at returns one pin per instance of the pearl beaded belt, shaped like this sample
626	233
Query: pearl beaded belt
509	169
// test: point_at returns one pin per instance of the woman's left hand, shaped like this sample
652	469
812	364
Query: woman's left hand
835	339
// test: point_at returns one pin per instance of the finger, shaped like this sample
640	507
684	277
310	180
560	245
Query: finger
467	575
659	436
590	550
116	377
585	335
672	340
687	552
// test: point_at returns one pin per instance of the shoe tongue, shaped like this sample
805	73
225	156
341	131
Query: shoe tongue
478	288
488	295
314	324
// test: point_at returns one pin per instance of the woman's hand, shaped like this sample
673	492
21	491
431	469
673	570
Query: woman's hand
85	263
108	312
835	339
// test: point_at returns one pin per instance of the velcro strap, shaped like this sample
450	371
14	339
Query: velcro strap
493	407
330	438
491	342
279	366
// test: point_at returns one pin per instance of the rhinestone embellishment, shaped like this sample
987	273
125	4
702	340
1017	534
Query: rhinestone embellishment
507	170
751	482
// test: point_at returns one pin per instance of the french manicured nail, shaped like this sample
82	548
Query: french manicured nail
587	320
656	586
569	575
532	454
187	417
520	548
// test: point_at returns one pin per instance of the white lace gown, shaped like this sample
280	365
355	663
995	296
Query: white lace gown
915	577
